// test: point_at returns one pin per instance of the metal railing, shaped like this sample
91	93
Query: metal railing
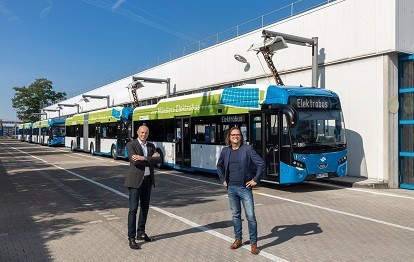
277	15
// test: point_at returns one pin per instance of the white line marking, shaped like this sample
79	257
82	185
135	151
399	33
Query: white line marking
320	207
214	233
362	190
315	206
338	212
191	178
263	194
184	220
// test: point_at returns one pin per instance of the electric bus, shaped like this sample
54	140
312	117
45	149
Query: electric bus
50	132
20	129
298	131
25	132
100	132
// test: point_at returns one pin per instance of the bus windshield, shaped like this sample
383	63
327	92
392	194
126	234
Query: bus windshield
319	128
58	131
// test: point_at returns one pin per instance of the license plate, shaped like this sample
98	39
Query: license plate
322	175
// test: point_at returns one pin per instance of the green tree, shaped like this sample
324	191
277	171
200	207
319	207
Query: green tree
29	100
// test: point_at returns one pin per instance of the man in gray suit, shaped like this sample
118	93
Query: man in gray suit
139	181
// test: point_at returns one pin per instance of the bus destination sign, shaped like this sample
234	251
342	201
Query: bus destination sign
233	119
307	102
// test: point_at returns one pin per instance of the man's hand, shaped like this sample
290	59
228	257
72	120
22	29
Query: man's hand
156	154
251	183
138	158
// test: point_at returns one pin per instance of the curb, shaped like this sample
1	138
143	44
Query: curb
359	184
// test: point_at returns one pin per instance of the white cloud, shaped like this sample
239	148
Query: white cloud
132	15
117	4
8	14
47	9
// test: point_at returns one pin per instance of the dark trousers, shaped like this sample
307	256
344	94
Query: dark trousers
140	195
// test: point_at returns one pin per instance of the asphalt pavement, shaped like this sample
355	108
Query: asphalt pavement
57	205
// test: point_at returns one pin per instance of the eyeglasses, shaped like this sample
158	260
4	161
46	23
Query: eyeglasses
235	134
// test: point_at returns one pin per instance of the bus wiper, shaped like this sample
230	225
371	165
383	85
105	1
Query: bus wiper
307	148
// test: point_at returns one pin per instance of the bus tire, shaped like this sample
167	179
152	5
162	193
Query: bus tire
114	153
161	165
92	149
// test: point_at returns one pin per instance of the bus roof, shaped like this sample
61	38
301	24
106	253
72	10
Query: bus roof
232	100
281	94
27	125
106	115
54	121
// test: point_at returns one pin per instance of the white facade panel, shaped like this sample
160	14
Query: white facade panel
345	29
353	37
405	26
366	118
360	86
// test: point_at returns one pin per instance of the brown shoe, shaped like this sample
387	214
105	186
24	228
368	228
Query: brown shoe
254	249
236	244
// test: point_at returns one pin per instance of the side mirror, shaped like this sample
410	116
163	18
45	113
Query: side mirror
291	115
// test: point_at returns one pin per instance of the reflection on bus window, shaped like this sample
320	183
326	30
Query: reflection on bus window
58	131
319	127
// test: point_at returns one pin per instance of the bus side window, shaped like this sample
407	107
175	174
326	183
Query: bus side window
225	133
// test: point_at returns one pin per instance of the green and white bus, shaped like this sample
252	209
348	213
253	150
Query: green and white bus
101	132
25	132
298	131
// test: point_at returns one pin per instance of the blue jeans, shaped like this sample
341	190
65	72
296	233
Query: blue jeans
238	195
137	195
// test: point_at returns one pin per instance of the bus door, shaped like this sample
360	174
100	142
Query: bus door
264	137
269	135
49	134
85	132
182	142
78	136
123	137
97	137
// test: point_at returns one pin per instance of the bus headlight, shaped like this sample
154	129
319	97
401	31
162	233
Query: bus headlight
342	160
298	164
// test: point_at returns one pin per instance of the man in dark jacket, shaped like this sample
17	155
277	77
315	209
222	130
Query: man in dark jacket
139	181
234	169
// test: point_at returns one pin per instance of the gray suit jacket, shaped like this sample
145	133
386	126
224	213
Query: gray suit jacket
135	174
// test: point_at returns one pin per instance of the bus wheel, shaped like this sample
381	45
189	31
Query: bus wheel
160	165
72	146
113	152
92	150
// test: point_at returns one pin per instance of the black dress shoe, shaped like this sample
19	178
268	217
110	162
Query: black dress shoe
145	237
133	244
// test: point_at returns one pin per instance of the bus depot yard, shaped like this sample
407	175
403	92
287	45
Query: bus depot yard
63	205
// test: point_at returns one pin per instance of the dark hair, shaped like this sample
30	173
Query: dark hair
228	135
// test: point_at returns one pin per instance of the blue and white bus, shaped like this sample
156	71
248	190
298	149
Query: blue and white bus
50	132
100	132
299	132
25	132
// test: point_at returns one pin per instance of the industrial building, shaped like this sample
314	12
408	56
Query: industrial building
364	55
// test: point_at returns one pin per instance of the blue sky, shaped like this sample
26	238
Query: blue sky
78	43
